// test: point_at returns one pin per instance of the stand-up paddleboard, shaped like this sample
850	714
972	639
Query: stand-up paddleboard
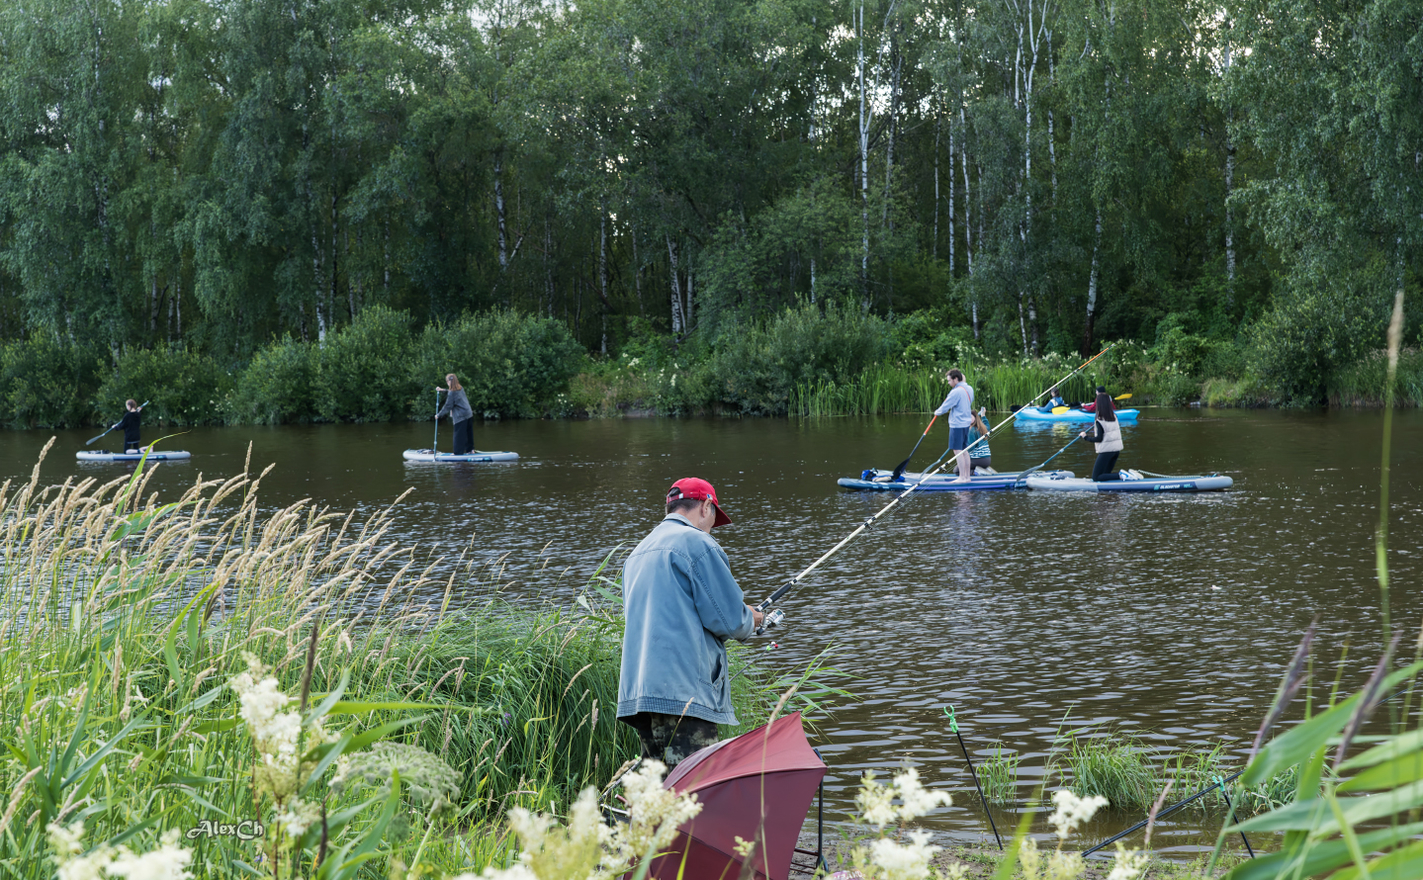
1148	482
152	455
429	456
876	480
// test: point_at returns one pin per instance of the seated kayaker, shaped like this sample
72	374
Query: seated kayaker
1055	401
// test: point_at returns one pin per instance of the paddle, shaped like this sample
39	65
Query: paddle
899	471
91	441
435	449
1024	475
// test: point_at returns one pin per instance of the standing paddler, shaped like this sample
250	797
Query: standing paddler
680	605
461	414
959	406
131	423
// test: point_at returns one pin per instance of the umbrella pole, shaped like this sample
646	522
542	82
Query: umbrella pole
954	726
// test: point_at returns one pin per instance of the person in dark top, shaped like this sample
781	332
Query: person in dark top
130	423
458	408
1108	437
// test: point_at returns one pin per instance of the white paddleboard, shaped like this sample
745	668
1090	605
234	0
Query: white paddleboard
431	457
153	455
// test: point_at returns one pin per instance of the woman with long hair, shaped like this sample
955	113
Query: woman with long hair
1108	438
458	408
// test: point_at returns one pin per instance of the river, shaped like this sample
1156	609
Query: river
1169	618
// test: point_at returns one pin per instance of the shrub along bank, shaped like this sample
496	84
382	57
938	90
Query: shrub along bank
807	360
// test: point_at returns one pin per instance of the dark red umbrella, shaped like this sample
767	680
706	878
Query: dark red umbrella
758	786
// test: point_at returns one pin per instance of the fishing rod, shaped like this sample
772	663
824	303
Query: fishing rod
774	617
92	440
1217	783
954	726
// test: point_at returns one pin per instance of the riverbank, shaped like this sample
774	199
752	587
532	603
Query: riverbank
804	361
126	619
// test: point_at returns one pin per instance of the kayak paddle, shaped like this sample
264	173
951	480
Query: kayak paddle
899	471
91	441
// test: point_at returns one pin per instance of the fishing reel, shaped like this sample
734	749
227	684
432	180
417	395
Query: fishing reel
771	618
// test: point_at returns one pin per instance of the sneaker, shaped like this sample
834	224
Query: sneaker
1130	474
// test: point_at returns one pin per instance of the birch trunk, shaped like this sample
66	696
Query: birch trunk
1229	184
603	271
677	321
934	242
499	209
1092	278
865	118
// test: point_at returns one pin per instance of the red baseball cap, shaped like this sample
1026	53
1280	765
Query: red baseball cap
698	490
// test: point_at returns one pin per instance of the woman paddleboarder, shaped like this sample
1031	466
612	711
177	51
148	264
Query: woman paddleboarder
1108	437
460	413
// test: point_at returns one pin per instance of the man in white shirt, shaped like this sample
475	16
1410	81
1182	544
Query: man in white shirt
959	406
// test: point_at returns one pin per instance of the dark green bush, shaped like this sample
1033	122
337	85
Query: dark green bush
183	387
45	383
756	370
363	370
278	387
510	364
1309	334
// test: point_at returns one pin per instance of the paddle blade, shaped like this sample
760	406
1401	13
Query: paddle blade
1059	410
899	471
1122	396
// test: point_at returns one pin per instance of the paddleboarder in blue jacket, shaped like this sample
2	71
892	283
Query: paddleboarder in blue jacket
680	605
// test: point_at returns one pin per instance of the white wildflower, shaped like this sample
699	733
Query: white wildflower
655	813
66	841
902	861
876	802
298	816
168	862
956	871
1072	811
917	800
1057	865
744	848
1129	864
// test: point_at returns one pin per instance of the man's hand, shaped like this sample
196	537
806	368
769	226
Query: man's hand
757	616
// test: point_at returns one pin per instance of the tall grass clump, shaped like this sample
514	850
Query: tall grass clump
1112	766
999	776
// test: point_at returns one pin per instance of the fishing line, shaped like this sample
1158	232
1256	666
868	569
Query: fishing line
774	617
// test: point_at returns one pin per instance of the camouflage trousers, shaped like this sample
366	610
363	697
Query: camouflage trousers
670	738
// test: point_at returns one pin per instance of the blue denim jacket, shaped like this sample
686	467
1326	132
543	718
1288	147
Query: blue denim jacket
680	605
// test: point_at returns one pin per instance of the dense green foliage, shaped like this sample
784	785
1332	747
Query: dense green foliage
207	177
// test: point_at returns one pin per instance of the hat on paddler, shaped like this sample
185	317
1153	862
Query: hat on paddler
698	490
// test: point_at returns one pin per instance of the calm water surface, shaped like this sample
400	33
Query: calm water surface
1167	617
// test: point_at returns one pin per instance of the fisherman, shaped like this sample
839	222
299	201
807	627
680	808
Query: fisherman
680	605
460	413
959	406
130	423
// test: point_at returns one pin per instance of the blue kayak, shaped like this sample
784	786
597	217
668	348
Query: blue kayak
1044	414
876	480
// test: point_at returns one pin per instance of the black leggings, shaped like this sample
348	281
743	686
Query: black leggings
1102	470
